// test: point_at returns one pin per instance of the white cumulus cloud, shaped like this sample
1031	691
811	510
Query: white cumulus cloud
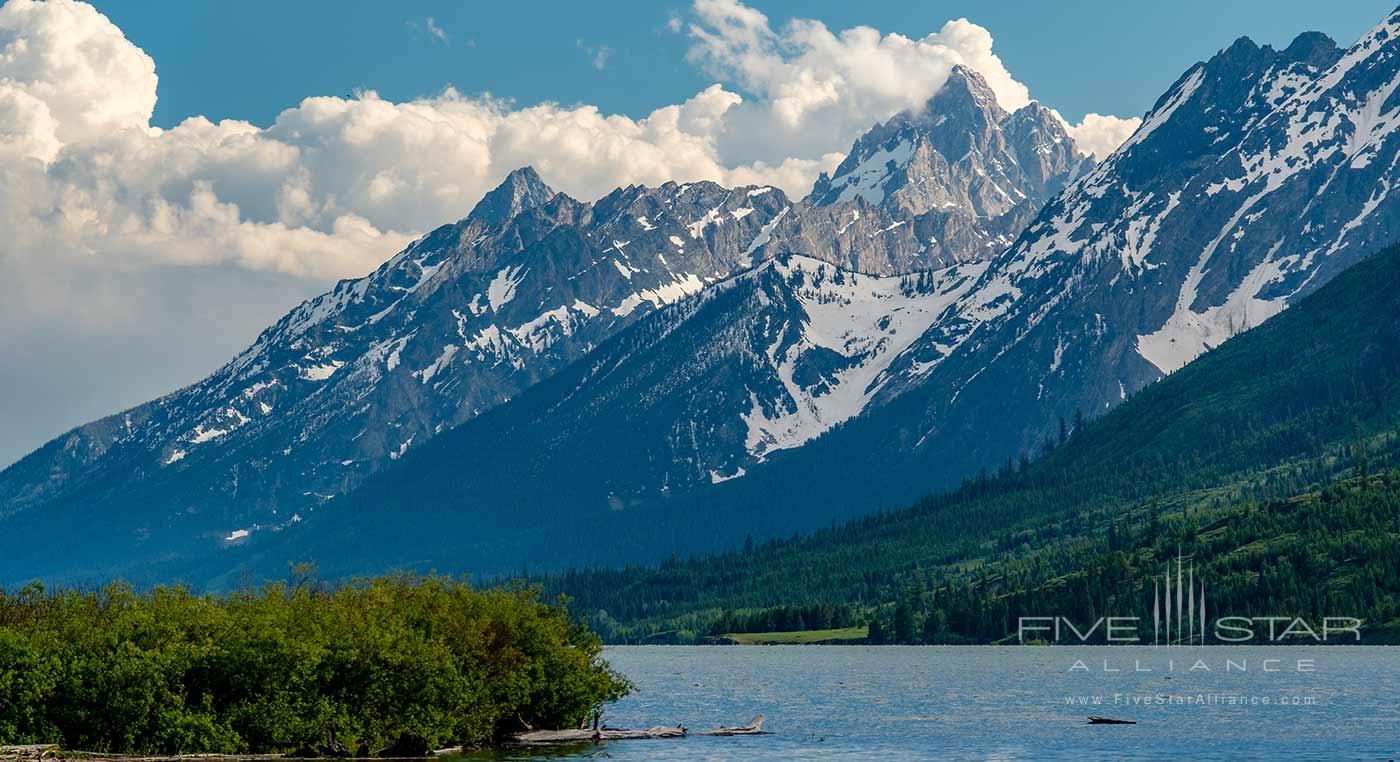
78	65
1101	134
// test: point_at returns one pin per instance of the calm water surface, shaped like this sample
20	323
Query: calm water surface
988	703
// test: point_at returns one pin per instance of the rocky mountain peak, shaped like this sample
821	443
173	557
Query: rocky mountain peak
967	171
966	93
1242	49
1312	49
963	117
1046	154
1033	115
522	189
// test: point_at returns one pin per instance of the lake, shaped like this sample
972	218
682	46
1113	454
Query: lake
991	703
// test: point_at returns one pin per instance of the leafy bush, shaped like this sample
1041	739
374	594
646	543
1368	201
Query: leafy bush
169	671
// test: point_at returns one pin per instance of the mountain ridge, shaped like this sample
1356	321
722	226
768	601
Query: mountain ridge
462	320
1052	329
1187	234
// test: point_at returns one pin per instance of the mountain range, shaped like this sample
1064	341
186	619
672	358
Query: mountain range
670	369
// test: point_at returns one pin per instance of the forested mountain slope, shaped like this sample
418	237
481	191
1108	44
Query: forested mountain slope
1284	409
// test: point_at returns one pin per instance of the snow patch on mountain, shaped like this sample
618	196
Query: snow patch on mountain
664	294
765	233
502	288
868	179
863	320
1142	231
443	360
1189	333
624	269
717	478
697	228
322	371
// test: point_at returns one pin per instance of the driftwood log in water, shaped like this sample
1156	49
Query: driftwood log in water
754	728
595	734
1110	721
582	735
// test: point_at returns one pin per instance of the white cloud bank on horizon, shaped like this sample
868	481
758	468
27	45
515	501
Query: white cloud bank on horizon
334	186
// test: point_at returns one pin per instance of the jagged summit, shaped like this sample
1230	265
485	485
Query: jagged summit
1035	110
522	189
1312	48
961	167
1244	56
966	97
1047	155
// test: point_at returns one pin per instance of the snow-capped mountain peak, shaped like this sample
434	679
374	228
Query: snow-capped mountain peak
959	162
1257	176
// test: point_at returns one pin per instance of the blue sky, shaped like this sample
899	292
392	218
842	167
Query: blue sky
253	58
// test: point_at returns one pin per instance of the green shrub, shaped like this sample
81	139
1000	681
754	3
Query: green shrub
169	671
